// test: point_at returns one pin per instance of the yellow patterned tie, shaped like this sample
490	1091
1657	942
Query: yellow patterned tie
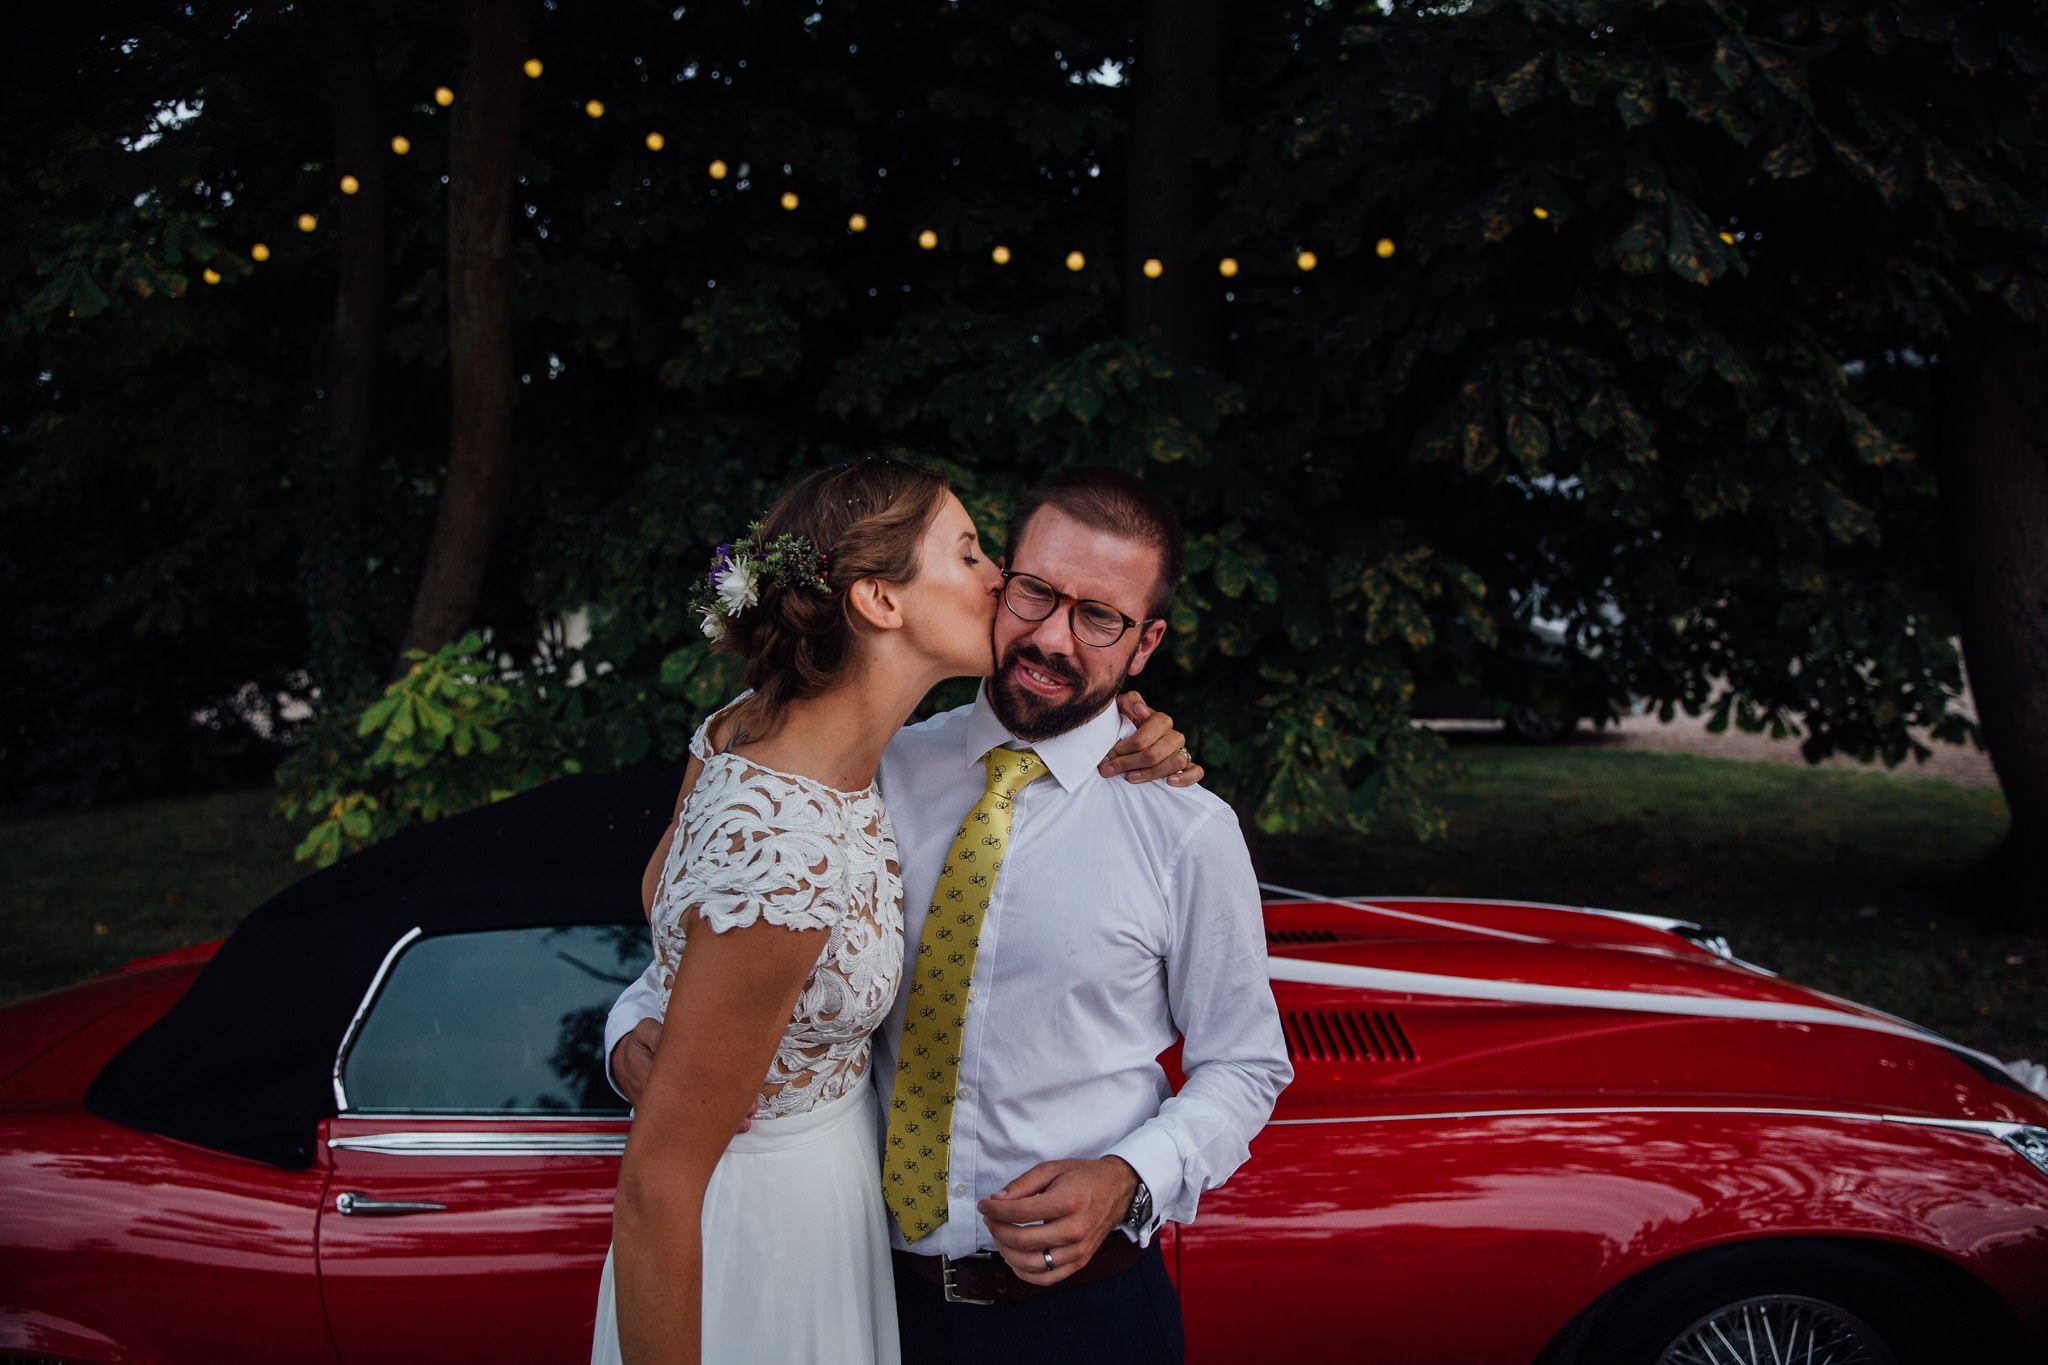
914	1162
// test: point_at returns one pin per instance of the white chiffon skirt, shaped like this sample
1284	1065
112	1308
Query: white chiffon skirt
796	1245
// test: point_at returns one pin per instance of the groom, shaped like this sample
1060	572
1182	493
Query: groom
1061	931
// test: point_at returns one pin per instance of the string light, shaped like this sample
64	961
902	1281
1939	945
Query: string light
443	96
594	108
717	170
1306	260
1154	268
533	67
401	144
927	239
1001	255
349	184
259	252
1729	238
655	142
1076	261
789	199
1540	211
857	223
307	222
1383	248
1227	267
210	275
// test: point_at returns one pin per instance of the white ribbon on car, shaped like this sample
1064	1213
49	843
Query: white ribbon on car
1309	971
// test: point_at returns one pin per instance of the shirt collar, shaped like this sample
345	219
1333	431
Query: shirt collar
1070	757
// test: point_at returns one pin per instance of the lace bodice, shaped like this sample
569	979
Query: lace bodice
752	843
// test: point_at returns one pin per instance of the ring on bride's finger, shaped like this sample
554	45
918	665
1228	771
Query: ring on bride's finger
1047	1253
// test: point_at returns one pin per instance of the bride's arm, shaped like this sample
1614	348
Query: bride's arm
734	993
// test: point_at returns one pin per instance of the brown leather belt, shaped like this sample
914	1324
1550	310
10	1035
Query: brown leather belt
986	1277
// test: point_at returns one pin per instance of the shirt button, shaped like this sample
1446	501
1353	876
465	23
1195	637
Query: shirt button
965	1092
960	1189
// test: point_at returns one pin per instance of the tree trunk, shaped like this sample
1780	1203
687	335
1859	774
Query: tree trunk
480	182
1176	93
1994	493
334	545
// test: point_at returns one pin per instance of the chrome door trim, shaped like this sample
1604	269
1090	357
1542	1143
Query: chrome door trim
473	1143
355	1025
1995	1128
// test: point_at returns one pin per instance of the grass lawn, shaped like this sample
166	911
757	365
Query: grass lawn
1854	882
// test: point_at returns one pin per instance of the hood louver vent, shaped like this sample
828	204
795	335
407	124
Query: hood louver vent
1295	938
1345	1036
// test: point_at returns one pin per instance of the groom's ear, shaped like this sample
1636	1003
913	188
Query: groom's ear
1148	640
875	604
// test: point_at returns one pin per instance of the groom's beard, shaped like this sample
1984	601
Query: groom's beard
1027	715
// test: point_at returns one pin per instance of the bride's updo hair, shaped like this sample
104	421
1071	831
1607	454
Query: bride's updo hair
869	518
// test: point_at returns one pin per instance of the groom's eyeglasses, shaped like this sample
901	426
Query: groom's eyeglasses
1092	623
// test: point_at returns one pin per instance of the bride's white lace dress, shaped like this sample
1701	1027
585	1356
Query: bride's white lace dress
796	1248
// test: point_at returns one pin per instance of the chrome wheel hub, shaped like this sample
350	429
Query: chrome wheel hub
1778	1329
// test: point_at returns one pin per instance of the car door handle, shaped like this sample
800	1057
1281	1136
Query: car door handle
350	1204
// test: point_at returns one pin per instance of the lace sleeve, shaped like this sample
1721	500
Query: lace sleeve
758	847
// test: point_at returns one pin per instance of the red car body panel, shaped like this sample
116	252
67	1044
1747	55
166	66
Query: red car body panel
1448	1179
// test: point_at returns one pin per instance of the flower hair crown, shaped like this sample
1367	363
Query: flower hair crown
740	568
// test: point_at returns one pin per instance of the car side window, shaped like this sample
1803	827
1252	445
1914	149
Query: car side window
501	1021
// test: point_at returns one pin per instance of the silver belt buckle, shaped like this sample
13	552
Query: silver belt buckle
946	1264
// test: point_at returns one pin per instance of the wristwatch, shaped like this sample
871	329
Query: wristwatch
1141	1208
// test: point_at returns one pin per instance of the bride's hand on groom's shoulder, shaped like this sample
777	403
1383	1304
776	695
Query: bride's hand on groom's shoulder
1154	750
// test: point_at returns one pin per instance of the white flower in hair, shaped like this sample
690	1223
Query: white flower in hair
737	586
713	625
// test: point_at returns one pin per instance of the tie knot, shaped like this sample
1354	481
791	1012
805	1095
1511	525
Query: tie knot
1010	770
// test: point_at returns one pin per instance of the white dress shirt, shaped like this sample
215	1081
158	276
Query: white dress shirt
1125	915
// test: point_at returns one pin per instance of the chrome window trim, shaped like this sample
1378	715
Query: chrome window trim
355	1025
484	1144
621	1115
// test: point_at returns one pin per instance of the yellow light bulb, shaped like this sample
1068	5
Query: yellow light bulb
210	275
1001	255
789	199
655	142
857	223
1540	211
927	239
594	108
443	96
259	252
349	184
1154	268
533	67
1384	247
1306	260
1729	238
307	222
401	144
717	170
1227	267
1076	261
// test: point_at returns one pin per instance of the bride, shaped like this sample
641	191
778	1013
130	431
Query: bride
861	588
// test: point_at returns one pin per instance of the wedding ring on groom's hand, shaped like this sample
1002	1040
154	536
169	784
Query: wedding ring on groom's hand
1187	760
1047	1253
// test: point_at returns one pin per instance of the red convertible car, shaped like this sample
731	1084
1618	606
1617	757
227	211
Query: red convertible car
372	1126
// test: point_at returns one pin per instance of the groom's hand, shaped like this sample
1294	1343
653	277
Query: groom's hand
1065	1207
1152	751
633	1059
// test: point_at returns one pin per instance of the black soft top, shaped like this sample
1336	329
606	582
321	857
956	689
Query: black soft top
244	1062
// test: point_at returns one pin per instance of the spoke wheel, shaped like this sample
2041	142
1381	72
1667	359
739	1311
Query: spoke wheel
1778	1329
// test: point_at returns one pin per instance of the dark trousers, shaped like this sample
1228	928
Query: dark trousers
1132	1319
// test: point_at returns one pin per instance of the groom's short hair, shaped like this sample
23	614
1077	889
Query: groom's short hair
1118	503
